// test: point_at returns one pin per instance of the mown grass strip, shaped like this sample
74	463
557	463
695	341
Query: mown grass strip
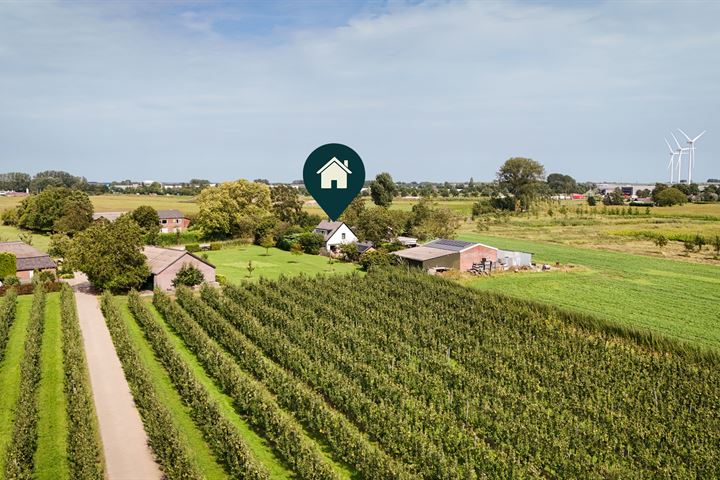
84	448
20	452
189	432
259	446
10	373
171	451
251	398
51	455
7	317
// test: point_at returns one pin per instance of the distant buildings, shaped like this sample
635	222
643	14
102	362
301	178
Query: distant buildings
171	221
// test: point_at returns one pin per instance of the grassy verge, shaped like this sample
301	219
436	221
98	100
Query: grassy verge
10	373
677	299
199	451
258	445
50	457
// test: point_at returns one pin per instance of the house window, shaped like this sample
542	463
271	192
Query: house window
164	221
342	236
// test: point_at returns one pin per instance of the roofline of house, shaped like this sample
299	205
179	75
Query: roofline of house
176	260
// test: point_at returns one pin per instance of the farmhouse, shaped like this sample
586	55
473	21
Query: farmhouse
172	221
28	259
335	234
334	171
164	264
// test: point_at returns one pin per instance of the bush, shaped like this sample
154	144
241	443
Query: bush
377	259
221	279
591	200
192	247
669	197
189	276
7	264
45	276
215	246
10	280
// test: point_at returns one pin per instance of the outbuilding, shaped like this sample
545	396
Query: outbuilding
428	258
28	259
509	259
165	263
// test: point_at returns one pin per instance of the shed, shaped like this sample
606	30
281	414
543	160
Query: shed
426	257
511	259
164	264
27	259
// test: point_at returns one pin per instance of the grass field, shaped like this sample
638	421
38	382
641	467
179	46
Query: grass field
233	262
679	299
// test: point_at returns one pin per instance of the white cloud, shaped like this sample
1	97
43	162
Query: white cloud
437	90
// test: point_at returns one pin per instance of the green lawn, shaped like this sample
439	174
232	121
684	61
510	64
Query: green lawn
10	373
679	299
51	457
233	262
260	449
11	234
199	450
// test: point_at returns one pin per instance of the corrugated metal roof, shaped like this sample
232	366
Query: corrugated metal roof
422	253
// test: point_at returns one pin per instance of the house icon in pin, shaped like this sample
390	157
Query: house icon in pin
334	171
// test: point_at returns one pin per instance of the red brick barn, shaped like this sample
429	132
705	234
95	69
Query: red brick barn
469	252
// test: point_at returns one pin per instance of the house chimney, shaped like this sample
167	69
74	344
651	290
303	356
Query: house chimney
346	163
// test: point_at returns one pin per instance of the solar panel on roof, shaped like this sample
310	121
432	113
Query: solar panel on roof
447	244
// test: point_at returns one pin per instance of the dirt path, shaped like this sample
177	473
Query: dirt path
125	444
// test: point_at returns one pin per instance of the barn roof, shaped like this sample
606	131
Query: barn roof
422	253
159	259
27	257
328	228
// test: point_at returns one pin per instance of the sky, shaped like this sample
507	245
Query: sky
425	90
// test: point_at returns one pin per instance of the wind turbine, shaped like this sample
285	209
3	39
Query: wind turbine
680	150
691	142
671	165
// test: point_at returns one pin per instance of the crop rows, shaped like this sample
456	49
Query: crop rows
401	375
7	316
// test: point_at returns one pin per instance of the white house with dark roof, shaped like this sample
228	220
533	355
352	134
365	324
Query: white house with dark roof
334	171
335	234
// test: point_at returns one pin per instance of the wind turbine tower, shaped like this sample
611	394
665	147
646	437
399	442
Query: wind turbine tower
680	151
671	165
691	142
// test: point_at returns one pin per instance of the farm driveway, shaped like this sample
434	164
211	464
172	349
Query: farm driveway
125	444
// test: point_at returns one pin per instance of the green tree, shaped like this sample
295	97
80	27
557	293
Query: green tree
7	264
659	187
353	211
233	209
615	197
378	223
383	190
59	245
15	181
661	241
669	197
267	243
149	221
56	178
591	200
716	245
57	209
521	177
188	275
561	184
110	254
250	268
286	203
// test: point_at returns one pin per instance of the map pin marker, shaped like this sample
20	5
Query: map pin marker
334	174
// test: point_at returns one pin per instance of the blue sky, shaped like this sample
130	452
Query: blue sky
436	90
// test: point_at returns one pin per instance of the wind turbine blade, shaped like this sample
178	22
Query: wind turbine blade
668	144
676	140
685	134
703	133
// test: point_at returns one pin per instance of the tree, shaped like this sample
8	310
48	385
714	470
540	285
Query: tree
353	211
699	242
110	254
377	258
59	245
430	222
14	181
521	178
716	245
661	241
615	197
267	242
149	222
383	190
233	209
55	209
310	242
56	178
378	223
659	187
350	252
591	200
561	184
286	203
250	268
188	275
670	196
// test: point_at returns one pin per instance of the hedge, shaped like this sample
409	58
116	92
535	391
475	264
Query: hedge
7	317
252	400
171	452
19	460
84	449
223	437
29	288
7	264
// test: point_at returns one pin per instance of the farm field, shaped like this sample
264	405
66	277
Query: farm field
385	383
125	203
679	299
46	410
233	262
